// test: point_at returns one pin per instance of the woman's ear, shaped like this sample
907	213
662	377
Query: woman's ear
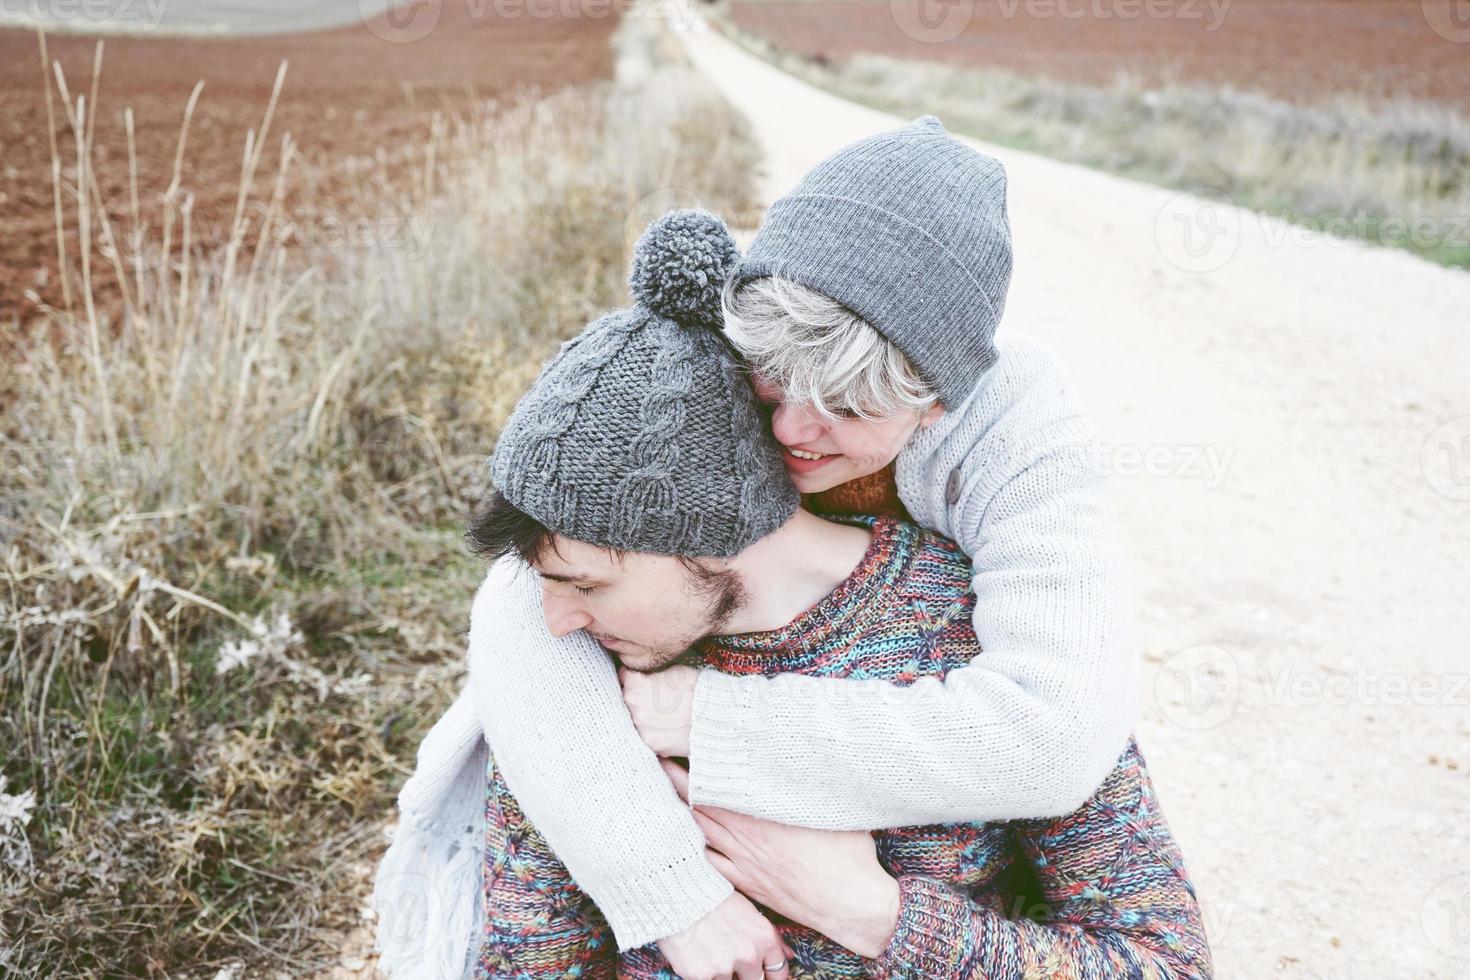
931	415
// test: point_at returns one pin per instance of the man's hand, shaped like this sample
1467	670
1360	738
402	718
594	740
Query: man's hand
734	940
828	880
662	706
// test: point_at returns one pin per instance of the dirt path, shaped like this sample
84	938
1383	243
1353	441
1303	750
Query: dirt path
1289	419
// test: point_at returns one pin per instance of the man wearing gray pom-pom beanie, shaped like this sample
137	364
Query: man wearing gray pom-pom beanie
867	308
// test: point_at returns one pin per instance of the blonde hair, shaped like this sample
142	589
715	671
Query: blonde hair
820	353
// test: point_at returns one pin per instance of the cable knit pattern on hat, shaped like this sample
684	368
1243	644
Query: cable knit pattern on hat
563	394
649	495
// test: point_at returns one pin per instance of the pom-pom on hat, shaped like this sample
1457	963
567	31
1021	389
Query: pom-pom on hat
680	263
642	432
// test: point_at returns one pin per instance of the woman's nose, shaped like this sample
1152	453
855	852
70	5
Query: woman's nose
562	614
793	425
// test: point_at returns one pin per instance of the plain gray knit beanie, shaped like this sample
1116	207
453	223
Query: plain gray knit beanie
908	229
642	432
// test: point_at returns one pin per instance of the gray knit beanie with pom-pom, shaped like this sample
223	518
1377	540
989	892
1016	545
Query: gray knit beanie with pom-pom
642	432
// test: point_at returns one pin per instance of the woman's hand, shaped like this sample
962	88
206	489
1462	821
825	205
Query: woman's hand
662	706
828	880
734	940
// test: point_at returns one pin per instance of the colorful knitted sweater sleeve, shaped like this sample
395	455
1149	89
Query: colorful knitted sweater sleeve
1114	901
538	923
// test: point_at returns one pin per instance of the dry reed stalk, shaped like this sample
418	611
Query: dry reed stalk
55	177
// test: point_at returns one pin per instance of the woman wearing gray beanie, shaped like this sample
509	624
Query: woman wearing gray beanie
866	309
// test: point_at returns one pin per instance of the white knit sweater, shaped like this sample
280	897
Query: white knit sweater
1029	729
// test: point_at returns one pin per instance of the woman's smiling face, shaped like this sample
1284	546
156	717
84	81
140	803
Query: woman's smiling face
821	452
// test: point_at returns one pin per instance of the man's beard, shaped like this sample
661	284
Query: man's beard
724	595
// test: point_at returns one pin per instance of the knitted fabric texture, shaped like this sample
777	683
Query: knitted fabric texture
909	230
1099	893
1054	612
875	494
642	433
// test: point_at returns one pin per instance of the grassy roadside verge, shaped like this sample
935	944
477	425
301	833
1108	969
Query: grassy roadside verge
1395	174
232	588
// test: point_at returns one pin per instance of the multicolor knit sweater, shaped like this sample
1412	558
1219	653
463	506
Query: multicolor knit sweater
1100	893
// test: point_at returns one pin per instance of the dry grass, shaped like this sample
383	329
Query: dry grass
233	591
1393	173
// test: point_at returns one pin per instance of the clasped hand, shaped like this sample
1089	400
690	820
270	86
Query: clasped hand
830	881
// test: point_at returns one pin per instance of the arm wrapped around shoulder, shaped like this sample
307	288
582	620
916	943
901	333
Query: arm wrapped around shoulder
563	740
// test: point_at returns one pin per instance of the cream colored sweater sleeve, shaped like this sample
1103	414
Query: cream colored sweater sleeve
554	716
